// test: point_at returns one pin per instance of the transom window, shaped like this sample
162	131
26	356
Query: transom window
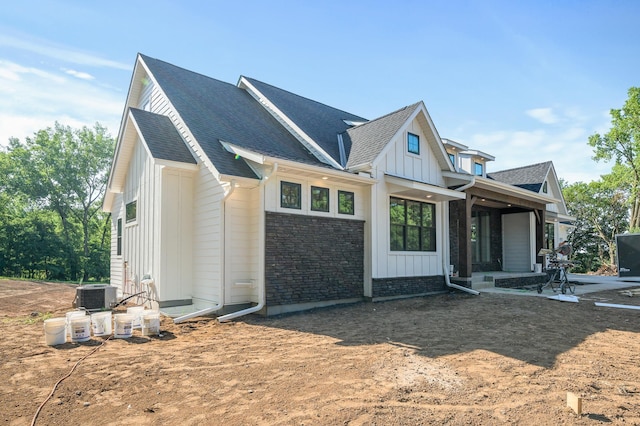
345	202
319	199
413	143
290	195
413	225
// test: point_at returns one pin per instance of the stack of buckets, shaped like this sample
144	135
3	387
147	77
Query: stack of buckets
77	326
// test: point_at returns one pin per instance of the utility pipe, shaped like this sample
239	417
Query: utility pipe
456	286
220	304
261	285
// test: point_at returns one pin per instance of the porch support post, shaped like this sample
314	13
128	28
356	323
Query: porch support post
541	216
464	239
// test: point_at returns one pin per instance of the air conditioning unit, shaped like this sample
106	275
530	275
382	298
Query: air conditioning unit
96	297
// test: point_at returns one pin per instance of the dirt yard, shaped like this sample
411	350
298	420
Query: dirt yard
454	359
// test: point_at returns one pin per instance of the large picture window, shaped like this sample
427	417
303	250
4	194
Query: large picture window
290	195
319	199
413	225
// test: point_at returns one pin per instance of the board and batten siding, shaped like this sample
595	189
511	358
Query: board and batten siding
423	168
116	260
242	215
176	234
207	237
139	237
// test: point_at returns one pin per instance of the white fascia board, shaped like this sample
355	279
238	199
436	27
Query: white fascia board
243	182
511	189
175	164
190	139
305	139
455	145
479	154
425	187
243	152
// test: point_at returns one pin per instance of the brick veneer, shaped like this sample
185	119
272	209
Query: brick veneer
312	259
405	286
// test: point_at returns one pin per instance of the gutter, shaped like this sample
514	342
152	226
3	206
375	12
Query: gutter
261	287
220	304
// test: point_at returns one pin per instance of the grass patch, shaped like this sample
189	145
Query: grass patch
37	317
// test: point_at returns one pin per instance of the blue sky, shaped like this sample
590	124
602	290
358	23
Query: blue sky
523	81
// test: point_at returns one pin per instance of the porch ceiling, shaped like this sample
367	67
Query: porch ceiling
421	190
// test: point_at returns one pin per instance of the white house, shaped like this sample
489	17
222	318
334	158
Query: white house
248	198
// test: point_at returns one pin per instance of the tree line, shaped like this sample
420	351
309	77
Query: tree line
51	191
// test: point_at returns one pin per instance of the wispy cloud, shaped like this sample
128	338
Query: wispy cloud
32	99
61	53
543	115
79	74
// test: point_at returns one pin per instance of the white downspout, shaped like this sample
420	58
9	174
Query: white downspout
467	185
445	269
261	285
220	304
456	286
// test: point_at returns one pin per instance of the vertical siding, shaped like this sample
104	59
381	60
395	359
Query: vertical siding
117	212
242	210
138	238
423	168
176	234
207	244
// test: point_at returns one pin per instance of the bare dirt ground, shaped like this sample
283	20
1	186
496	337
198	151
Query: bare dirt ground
454	359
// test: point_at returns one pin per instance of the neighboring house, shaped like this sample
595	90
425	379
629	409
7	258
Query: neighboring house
248	197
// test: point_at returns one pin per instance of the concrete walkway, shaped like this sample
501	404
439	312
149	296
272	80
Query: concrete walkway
585	284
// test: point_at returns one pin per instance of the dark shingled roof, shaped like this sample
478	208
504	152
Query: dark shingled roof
527	177
161	136
321	122
369	139
216	111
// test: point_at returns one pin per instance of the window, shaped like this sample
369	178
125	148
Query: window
290	195
131	211
480	237
452	157
413	225
479	169
345	202
319	199
119	237
413	143
549	237
544	187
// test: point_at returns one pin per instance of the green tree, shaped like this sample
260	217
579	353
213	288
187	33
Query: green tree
65	171
622	143
601	213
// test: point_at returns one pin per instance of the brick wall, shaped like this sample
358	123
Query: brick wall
405	286
312	259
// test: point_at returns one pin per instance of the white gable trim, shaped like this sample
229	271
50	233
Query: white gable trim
292	127
434	142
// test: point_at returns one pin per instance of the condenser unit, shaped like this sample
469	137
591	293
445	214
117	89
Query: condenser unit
96	297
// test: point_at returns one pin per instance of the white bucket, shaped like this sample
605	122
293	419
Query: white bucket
136	311
122	326
73	314
150	322
101	323
80	328
55	331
